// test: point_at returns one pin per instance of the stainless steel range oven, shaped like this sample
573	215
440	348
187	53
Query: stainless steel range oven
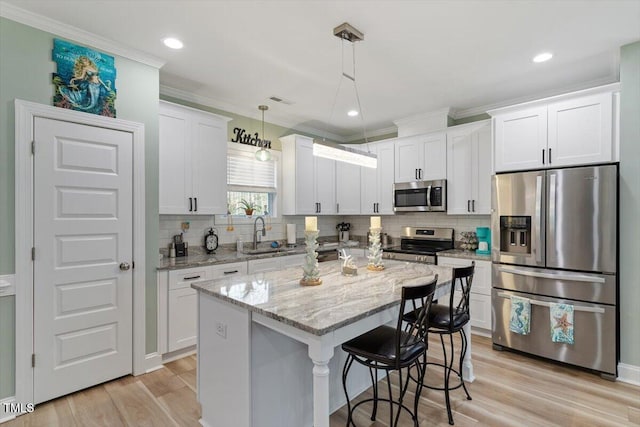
420	244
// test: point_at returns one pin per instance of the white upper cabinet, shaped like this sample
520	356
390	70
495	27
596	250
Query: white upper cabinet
192	161
377	184
421	157
521	139
580	130
469	169
348	188
308	182
568	130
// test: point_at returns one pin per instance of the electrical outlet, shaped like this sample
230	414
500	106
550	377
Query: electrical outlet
221	329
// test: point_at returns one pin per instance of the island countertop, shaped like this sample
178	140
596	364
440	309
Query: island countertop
338	301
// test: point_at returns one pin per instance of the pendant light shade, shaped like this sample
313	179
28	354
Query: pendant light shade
263	154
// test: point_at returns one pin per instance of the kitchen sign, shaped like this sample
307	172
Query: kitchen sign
241	136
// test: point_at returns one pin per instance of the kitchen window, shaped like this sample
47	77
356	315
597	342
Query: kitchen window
251	181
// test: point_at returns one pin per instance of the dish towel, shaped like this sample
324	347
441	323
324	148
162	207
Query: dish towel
561	318
520	318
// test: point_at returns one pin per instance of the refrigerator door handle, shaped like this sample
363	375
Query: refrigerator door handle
551	238
555	276
548	304
538	219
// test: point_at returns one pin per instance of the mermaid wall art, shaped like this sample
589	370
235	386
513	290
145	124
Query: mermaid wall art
85	79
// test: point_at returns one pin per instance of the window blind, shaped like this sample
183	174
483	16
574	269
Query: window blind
245	173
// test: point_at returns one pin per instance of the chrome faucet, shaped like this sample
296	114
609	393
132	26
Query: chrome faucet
255	232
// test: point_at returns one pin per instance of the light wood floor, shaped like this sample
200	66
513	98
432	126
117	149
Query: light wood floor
509	390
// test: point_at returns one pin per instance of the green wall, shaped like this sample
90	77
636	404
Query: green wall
629	203
25	73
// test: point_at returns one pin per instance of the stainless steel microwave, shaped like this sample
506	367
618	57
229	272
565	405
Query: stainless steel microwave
420	196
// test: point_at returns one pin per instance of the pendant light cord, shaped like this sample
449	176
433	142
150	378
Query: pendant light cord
355	85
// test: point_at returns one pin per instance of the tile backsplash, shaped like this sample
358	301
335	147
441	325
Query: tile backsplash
243	228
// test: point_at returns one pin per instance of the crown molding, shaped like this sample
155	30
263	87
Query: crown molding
423	116
251	113
374	133
60	29
468	112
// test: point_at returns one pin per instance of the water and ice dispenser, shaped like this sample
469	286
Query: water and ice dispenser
515	234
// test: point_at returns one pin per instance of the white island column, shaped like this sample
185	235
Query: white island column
321	355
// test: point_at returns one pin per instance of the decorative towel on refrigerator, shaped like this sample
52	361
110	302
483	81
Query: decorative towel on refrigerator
561	317
520	319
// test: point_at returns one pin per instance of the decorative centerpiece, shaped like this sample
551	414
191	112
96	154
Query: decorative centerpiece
469	241
375	248
348	266
311	274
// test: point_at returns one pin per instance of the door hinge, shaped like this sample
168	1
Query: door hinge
33	147
33	254
33	360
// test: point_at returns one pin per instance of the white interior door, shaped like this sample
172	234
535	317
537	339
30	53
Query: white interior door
82	233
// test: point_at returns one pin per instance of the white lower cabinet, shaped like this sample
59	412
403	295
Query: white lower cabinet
181	305
480	300
274	264
178	302
292	261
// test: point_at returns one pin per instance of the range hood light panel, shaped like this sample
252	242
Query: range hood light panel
340	153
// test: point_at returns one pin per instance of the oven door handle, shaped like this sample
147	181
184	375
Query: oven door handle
585	308
555	276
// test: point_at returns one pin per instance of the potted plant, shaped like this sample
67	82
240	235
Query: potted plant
248	207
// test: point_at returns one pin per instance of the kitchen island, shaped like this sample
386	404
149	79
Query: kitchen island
268	348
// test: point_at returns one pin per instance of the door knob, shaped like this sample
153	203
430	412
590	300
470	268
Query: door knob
124	266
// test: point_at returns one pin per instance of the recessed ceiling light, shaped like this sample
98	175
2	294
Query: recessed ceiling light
542	57
172	43
352	113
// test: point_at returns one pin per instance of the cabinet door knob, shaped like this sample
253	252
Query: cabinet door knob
473	205
468	205
543	156
195	200
124	266
190	204
549	155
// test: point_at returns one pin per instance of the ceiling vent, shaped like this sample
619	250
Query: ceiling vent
280	100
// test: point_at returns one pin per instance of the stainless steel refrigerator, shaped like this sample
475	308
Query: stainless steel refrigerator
554	237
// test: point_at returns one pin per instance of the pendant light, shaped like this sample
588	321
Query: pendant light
331	150
263	154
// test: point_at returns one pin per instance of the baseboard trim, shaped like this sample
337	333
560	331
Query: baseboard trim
629	374
480	332
152	362
179	354
4	415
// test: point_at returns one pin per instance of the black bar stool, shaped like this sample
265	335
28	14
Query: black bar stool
391	349
448	320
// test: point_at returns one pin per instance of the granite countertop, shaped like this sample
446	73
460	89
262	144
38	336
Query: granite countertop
225	256
338	301
460	253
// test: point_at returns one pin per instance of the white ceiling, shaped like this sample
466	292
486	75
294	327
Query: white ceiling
417	56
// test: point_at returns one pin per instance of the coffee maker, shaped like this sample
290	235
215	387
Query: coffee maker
484	240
